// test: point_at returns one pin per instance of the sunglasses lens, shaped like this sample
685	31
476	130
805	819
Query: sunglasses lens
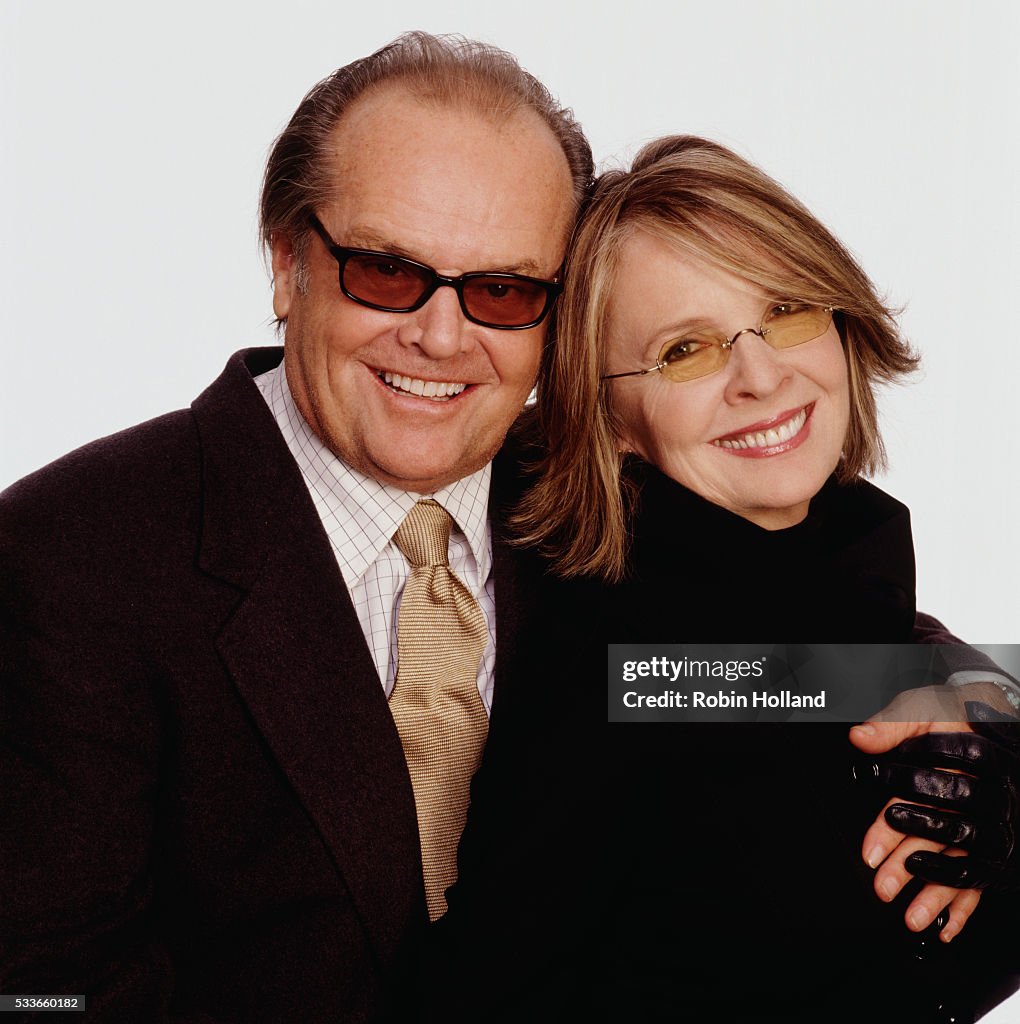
793	323
386	281
505	301
690	358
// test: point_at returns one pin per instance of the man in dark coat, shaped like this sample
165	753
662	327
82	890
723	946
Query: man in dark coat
207	811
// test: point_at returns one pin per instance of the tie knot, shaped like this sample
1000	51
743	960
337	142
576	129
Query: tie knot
424	536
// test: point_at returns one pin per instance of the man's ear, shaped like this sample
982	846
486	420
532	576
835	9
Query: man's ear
284	274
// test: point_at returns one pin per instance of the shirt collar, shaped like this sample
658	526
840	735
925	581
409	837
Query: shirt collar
361	514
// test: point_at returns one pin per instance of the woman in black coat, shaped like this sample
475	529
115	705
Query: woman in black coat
707	414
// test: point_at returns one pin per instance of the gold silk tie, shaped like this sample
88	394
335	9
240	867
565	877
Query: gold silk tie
441	637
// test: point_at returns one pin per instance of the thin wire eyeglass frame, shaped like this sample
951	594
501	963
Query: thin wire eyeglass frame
727	344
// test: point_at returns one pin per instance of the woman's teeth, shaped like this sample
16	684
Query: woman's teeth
767	438
437	390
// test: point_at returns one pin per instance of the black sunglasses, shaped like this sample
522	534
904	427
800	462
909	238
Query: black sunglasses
393	284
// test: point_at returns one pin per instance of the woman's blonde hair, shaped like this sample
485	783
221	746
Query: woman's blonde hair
705	201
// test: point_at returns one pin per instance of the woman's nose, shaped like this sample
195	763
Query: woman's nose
756	369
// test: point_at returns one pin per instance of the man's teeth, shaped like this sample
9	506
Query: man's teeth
767	438
437	390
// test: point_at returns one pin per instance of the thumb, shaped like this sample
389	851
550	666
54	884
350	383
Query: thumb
874	737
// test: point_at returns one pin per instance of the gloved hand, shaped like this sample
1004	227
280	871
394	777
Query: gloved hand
968	784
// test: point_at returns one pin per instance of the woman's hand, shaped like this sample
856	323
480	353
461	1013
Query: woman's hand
887	850
960	834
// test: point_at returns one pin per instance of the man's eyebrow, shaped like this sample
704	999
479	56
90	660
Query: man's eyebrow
361	238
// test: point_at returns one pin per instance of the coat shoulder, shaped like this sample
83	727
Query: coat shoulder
113	486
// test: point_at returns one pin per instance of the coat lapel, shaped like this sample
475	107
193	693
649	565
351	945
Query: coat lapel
298	657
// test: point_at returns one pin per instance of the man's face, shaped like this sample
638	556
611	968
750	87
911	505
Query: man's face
457	192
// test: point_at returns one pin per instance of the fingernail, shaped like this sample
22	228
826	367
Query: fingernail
919	919
875	856
864	730
889	888
946	935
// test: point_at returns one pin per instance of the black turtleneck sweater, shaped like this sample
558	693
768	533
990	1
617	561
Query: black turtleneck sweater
653	872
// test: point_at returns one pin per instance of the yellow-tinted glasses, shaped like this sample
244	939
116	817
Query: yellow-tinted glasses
784	325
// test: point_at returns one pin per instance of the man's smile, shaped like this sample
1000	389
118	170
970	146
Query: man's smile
436	390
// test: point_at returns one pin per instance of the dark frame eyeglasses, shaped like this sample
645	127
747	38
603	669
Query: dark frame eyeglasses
783	325
395	284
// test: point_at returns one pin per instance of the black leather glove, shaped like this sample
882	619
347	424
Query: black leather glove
969	784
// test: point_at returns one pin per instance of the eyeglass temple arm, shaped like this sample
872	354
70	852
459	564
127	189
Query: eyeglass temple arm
632	373
317	227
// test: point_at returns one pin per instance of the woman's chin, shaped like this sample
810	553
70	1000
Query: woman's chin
777	517
773	500
772	508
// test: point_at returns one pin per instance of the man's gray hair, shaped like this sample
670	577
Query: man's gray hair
448	70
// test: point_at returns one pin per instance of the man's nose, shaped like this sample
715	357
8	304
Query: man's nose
439	328
756	368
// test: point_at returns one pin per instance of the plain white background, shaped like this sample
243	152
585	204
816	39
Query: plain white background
133	139
133	142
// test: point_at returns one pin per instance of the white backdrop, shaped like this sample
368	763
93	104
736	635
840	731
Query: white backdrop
133	142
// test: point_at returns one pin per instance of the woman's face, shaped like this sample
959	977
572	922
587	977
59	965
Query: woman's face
697	431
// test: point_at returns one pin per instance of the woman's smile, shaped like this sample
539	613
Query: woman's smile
771	437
